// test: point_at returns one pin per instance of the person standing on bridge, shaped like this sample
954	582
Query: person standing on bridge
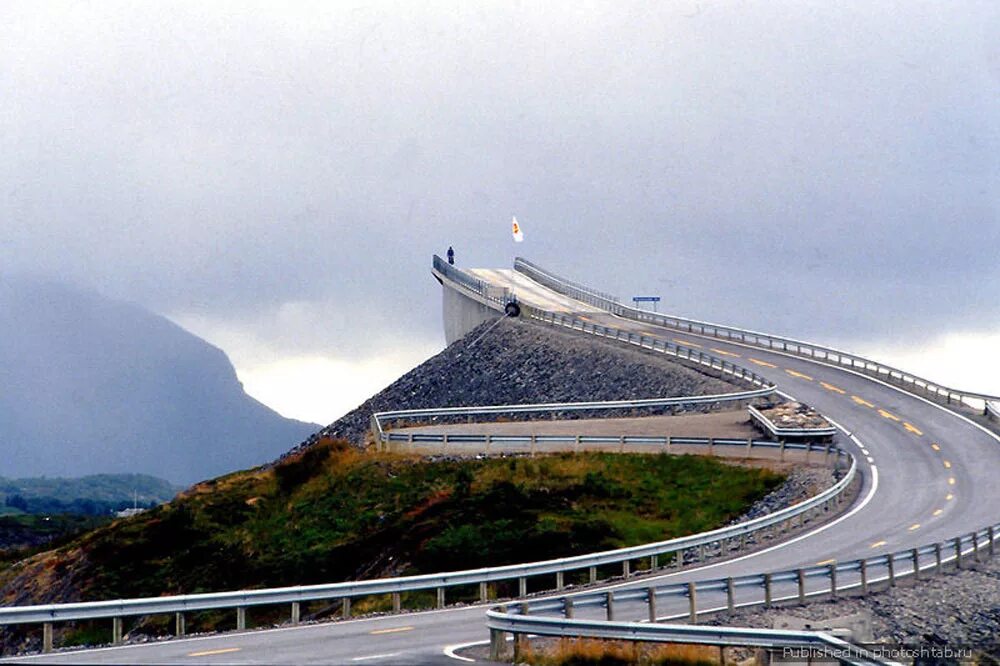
451	255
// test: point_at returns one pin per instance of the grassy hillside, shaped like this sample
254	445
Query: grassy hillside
334	513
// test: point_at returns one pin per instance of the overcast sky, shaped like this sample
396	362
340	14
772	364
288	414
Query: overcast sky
276	178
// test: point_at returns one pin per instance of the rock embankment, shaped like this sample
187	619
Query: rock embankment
517	362
957	608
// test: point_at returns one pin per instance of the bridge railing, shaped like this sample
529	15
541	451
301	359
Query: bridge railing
812	351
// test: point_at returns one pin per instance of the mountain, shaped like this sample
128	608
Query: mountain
93	385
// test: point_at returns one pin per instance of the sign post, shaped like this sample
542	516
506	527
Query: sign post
646	299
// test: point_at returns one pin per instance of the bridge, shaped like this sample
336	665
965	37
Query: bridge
920	458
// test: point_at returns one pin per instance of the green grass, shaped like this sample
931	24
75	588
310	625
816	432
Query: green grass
336	514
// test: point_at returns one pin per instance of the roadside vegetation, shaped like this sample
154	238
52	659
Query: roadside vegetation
594	652
333	513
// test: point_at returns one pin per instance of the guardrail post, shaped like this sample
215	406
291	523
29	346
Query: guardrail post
180	626
975	545
701	553
651	601
826	455
692	604
937	559
522	587
782	449
534	445
409	442
864	578
800	576
767	590
833	581
498	643
654	562
992	538
568	607
440	597
958	552
621	444
749	445
46	637
891	564
915	554
489	442
241	618
711	447
670	444
593	574
626	568
730	595
559	581
519	639
346	607
609	603
576	444
484	592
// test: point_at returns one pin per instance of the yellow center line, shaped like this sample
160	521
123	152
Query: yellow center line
938	512
862	401
762	363
947	464
912	429
799	375
393	630
914	526
879	543
888	415
935	447
687	343
831	387
819	564
949	497
951	480
219	651
724	352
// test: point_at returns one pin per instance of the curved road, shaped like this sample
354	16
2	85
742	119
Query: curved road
928	476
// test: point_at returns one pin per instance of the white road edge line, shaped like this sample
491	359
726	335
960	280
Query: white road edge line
449	650
375	656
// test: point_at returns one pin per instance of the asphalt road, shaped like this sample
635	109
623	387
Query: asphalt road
928	475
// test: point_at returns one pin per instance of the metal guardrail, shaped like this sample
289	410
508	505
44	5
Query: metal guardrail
745	336
458	443
726	539
381	418
778	431
818	645
724	594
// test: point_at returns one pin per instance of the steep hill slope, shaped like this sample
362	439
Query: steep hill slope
93	385
516	362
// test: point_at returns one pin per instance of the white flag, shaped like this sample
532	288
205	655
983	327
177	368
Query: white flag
518	234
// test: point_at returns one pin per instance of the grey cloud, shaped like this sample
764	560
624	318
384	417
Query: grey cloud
792	166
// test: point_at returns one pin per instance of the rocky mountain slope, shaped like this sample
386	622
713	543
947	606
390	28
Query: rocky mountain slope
515	362
93	385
